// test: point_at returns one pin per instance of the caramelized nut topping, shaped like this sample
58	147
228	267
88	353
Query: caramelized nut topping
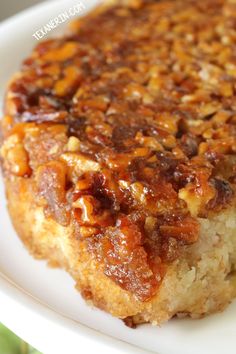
15	156
51	179
128	126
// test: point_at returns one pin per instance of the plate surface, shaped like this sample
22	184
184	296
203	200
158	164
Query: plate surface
40	304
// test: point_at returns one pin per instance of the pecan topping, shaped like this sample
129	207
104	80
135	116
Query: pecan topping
128	126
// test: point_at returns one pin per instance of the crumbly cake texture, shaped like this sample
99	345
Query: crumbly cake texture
119	156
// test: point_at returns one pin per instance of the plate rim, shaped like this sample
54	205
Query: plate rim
16	298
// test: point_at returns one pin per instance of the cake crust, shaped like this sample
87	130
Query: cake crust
119	156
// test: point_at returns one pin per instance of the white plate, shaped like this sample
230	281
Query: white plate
40	304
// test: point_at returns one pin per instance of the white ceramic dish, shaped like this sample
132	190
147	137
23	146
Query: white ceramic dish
40	304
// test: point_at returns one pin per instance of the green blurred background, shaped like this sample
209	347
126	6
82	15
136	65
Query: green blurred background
11	344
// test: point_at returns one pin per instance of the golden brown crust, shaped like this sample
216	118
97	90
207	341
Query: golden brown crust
126	138
201	283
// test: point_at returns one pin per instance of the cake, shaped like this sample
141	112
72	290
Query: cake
119	156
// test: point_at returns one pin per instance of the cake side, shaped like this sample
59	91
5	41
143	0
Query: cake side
200	283
119	155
